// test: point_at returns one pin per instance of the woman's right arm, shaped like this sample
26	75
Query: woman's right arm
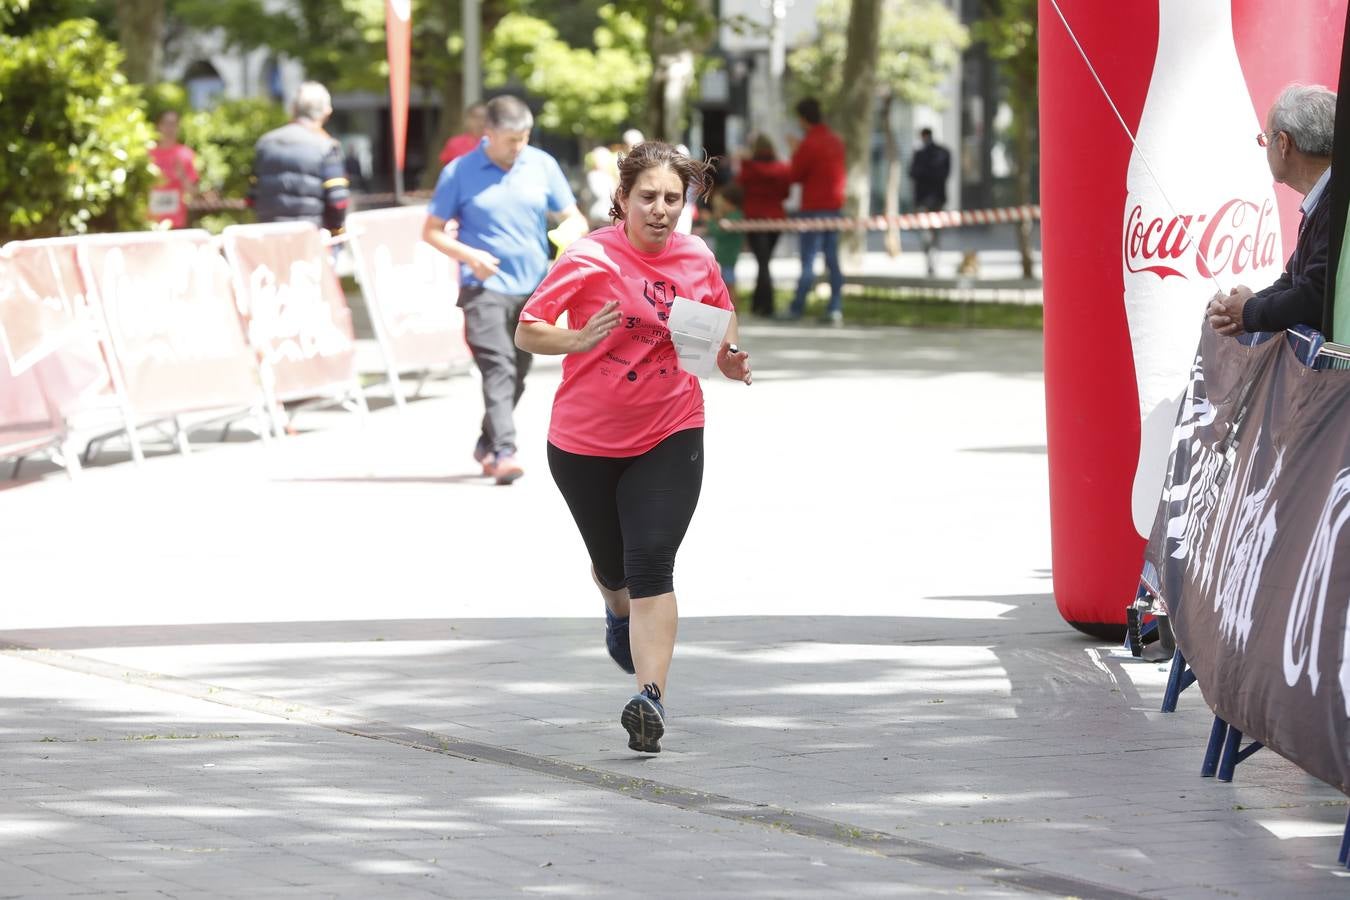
551	340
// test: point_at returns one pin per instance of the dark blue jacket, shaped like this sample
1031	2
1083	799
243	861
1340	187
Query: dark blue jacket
1297	295
299	175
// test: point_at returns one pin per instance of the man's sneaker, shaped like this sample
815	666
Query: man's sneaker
616	639
645	719
833	317
485	458
506	469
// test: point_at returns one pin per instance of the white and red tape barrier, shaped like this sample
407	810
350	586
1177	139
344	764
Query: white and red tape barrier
920	221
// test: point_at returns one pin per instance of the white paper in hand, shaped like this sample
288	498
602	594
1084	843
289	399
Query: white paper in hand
697	331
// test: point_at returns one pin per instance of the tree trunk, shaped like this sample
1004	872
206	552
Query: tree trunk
447	123
140	31
672	55
892	176
1022	132
856	107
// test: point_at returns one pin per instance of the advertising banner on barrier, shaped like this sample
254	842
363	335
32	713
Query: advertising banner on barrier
1249	547
410	289
293	309
1137	236
41	299
27	419
169	311
44	327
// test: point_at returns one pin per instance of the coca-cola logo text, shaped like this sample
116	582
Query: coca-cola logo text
1238	237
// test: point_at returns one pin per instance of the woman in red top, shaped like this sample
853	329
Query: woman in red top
625	443
766	182
176	162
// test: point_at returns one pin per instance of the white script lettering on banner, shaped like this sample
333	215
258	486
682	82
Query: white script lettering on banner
1303	631
402	290
289	319
1185	497
168	314
40	300
1251	532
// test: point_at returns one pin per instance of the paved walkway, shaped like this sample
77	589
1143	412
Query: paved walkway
347	666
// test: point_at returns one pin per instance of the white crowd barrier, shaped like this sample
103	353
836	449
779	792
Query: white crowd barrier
410	290
148	326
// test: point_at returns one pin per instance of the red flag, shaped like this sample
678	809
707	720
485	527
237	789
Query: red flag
398	41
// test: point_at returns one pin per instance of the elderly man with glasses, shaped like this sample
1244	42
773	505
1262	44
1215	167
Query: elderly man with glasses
1297	142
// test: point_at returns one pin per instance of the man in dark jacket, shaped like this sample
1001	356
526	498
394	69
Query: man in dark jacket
298	169
929	168
1298	138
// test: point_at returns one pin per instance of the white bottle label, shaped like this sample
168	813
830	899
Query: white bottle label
1221	229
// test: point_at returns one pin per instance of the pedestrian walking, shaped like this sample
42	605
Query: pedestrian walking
929	168
818	164
625	442
765	181
299	174
501	194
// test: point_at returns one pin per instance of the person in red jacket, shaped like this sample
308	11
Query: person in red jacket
818	165
765	180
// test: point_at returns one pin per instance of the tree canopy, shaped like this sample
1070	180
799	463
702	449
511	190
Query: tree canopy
528	52
919	44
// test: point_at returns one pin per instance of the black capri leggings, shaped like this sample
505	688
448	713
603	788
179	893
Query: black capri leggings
633	511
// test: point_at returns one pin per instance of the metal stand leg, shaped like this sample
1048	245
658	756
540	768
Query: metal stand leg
1344	858
1234	753
180	438
1178	679
1217	733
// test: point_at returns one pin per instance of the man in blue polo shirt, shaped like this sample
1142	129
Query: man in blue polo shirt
501	195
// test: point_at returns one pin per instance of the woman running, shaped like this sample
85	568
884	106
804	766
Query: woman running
625	444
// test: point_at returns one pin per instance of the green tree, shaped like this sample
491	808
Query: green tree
223	139
338	42
919	45
528	52
677	30
10	10
23	17
1008	31
76	140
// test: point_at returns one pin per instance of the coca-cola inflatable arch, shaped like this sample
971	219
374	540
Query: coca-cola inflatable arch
1136	239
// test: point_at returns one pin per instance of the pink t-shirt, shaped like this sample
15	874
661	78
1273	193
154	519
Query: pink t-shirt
178	172
627	394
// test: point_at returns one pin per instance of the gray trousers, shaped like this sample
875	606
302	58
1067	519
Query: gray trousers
490	328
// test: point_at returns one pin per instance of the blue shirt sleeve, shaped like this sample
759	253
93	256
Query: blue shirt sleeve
559	191
445	201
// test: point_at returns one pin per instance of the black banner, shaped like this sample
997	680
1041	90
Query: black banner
1249	550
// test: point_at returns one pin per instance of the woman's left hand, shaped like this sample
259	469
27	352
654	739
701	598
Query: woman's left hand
735	364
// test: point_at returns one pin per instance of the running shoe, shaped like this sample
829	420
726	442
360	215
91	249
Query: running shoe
506	469
616	639
645	719
484	456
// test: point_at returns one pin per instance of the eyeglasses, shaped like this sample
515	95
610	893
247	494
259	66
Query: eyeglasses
1264	138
